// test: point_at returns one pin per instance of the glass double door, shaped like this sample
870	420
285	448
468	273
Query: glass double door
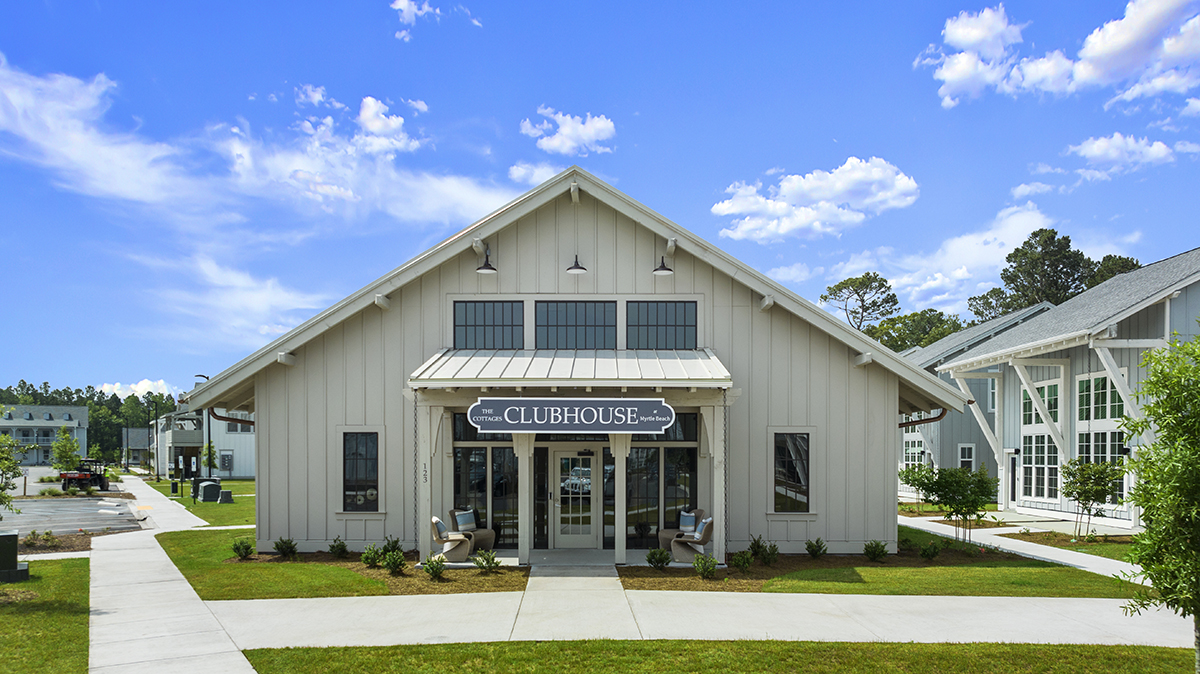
576	488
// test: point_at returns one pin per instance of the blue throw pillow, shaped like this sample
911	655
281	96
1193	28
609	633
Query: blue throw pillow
687	522
465	520
704	523
441	528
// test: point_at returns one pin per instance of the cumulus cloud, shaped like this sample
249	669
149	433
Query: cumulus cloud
1192	109
381	132
574	136
307	94
140	389
1117	153
1153	49
532	174
417	106
1026	189
796	273
1187	147
821	202
409	11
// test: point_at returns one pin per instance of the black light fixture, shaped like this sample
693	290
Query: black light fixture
577	268
662	269
486	267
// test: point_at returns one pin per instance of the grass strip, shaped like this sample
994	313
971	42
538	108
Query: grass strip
1112	547
726	656
240	512
44	621
207	561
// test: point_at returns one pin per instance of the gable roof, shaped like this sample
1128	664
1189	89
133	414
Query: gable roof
232	388
1086	315
968	338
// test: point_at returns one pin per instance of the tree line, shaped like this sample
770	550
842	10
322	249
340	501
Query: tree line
1045	268
107	413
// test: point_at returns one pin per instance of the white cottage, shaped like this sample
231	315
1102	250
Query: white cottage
579	369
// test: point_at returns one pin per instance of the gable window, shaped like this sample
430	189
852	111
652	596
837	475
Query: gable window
360	472
575	325
792	461
489	325
660	325
234	427
1049	395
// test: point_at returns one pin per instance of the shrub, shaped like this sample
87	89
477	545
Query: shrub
705	566
486	561
930	550
243	548
90	490
390	545
394	562
434	566
757	547
50	491
742	561
50	540
770	555
286	548
372	556
72	491
32	538
47	478
658	558
875	550
816	549
338	548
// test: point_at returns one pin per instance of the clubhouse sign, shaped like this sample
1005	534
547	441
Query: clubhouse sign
571	415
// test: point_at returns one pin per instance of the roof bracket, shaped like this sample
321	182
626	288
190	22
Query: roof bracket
574	193
766	303
863	359
285	358
383	302
477	245
671	244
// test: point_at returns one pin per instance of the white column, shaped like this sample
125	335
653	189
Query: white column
523	448
425	449
620	448
716	442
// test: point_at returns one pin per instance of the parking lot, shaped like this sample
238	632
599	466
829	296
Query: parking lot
69	515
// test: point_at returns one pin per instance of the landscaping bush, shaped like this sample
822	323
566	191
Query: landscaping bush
930	550
32	538
486	561
243	548
47	478
875	550
50	491
50	540
816	549
434	566
705	566
72	491
372	556
394	562
658	558
338	548
390	545
742	561
770	555
757	547
286	548
90	490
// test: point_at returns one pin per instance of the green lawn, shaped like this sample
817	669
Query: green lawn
44	622
201	557
241	511
1112	547
726	656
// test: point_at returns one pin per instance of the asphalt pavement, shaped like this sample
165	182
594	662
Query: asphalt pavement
69	515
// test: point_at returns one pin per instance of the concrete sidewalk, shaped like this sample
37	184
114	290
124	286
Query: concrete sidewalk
145	617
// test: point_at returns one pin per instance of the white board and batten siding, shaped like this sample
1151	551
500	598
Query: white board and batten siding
792	375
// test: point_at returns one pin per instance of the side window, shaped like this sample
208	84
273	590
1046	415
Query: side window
792	463
360	472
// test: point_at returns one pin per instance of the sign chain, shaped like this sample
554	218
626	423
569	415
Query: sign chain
416	486
725	467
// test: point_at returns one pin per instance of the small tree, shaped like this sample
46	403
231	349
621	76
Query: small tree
961	493
1088	484
209	457
1168	483
920	478
10	470
65	451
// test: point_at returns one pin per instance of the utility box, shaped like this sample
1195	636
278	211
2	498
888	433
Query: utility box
11	571
227	463
226	496
210	492
197	481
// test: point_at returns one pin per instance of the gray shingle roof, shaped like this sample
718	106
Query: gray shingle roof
1093	310
969	337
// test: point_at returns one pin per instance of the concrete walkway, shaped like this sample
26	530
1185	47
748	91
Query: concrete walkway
145	617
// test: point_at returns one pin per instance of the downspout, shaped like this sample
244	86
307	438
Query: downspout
930	420
232	420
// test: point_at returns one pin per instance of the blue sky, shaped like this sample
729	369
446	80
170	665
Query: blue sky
180	183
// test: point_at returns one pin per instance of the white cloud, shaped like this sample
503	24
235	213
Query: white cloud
1092	175
821	202
1152	50
1042	169
418	106
796	273
532	174
403	36
1192	109
140	389
1187	147
382	133
307	94
409	11
575	135
1120	153
1025	189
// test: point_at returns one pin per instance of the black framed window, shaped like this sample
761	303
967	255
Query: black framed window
360	472
489	325
791	472
464	431
575	325
660	325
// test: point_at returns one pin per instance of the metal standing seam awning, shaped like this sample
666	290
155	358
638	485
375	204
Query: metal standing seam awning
449	368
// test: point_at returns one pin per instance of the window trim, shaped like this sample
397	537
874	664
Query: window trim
974	464
815	467
337	478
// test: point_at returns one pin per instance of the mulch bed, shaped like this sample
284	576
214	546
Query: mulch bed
412	580
1056	538
76	542
731	580
979	524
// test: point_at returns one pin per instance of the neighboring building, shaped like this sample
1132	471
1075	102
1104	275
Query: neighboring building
1066	377
181	435
35	428
135	446
957	440
494	370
